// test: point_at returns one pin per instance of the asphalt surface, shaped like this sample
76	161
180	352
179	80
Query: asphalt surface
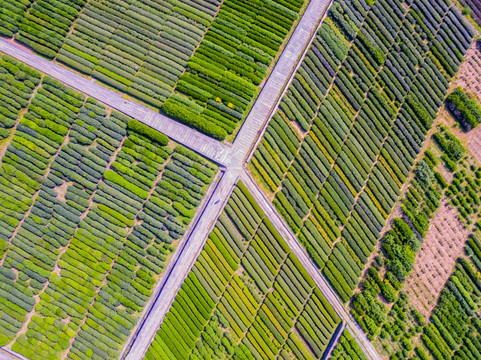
313	271
203	144
231	156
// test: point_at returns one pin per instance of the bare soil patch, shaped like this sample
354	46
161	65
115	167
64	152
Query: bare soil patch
61	190
435	261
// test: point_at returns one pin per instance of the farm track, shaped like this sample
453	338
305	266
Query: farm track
313	271
203	144
231	157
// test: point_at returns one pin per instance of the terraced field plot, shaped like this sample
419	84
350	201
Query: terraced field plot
92	205
247	297
213	53
339	149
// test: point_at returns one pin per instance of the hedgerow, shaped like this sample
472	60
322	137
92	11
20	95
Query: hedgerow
465	109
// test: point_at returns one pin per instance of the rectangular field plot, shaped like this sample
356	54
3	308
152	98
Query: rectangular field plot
339	149
247	297
231	62
138	47
92	204
146	49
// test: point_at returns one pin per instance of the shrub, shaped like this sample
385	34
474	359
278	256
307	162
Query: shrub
424	174
148	131
466	110
179	112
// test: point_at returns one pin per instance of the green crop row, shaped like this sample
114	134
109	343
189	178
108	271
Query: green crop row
255	293
93	204
453	331
362	102
148	49
233	58
347	348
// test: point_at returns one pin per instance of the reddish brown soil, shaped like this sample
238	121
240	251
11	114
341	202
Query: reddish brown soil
436	259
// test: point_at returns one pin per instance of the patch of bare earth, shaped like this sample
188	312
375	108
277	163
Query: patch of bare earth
435	261
469	78
61	190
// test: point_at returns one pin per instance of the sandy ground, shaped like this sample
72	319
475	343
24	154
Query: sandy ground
435	262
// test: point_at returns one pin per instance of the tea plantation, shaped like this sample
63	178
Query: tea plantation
247	297
215	53
453	331
347	349
339	149
92	204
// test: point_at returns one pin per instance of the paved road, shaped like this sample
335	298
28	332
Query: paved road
143	322
281	75
203	144
233	157
186	259
9	355
306	261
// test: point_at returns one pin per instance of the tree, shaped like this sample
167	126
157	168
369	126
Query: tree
424	174
402	229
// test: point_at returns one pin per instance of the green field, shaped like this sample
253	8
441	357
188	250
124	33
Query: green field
345	138
206	57
400	323
247	297
92	204
453	331
347	349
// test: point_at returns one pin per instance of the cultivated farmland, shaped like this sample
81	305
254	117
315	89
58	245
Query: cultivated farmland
92	205
207	57
453	331
347	349
339	149
401	288
247	297
231	62
473	8
441	246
